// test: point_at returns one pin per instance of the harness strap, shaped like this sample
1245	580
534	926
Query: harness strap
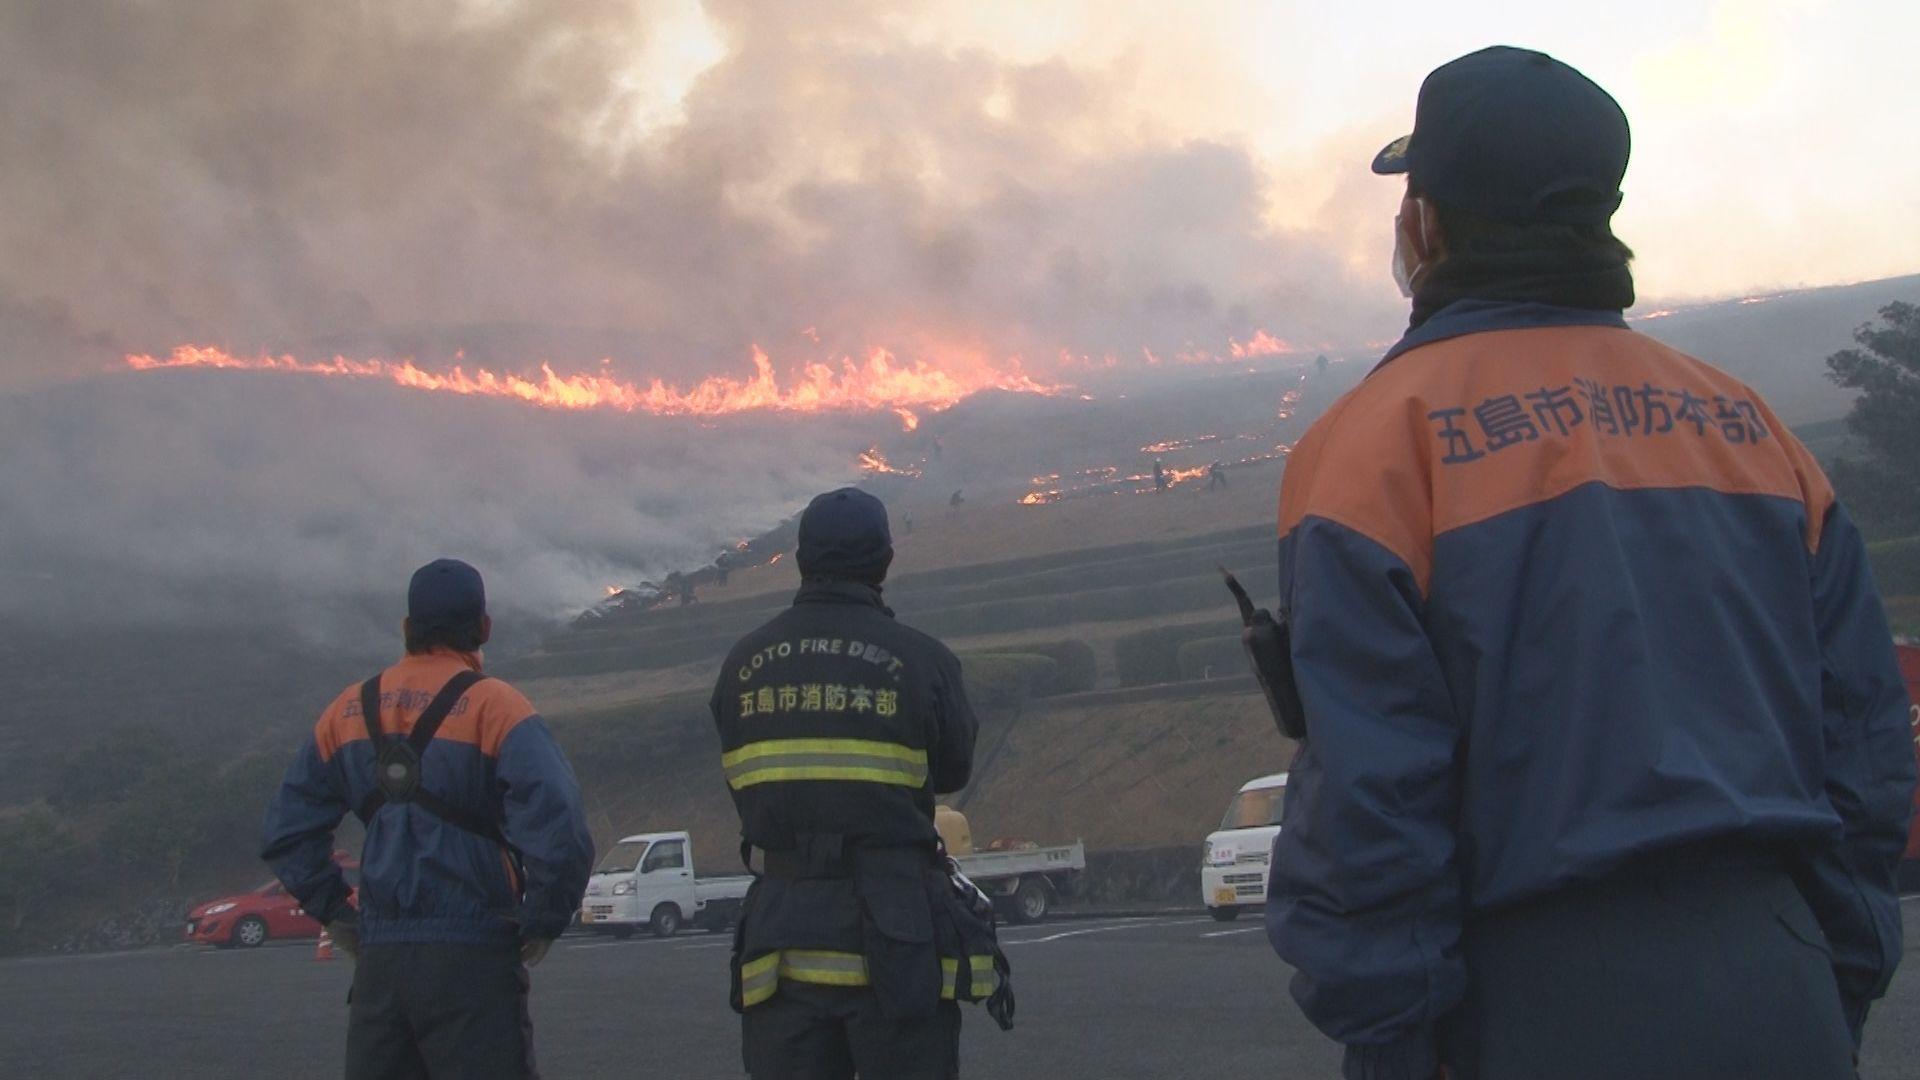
423	731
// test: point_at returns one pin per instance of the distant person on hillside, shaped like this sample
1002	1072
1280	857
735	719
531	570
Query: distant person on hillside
1216	475
837	727
476	852
956	500
1159	475
1607	768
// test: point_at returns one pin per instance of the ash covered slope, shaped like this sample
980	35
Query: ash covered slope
1125	572
1778	343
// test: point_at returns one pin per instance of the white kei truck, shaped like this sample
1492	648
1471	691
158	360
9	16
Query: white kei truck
647	880
1233	866
1023	878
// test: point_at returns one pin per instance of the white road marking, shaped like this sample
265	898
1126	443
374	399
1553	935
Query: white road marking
1135	924
1228	933
618	941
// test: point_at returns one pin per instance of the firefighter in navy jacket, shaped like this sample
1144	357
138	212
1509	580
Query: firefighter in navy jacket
1607	767
837	726
466	878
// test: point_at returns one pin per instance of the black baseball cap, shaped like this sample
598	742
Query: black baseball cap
1517	136
844	534
445	592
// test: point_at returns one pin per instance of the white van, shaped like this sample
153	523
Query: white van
1233	868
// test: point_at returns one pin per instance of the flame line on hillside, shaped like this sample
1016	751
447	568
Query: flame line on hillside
879	382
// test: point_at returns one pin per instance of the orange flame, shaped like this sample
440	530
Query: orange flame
879	382
873	461
1262	344
908	421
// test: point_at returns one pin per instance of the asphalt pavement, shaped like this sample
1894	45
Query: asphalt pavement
1166	996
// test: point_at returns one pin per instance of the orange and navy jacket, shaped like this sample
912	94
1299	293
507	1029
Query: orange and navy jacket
423	879
1561	596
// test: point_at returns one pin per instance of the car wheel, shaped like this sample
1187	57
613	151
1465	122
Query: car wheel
1030	901
1224	913
250	932
665	921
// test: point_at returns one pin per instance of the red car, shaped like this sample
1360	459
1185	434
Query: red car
250	919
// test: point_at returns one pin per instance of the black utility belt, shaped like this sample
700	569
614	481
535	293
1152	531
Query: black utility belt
823	857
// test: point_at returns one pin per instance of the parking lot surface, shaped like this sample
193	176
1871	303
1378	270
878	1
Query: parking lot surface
1168	996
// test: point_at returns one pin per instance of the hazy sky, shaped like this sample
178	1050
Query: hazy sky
668	181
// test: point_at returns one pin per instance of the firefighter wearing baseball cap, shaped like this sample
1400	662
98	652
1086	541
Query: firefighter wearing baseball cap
1606	769
476	852
837	726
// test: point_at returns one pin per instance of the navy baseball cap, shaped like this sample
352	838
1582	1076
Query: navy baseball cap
445	592
844	534
1517	136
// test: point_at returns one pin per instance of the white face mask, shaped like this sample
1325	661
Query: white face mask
1406	268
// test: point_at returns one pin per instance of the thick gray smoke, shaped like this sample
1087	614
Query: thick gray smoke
197	498
414	176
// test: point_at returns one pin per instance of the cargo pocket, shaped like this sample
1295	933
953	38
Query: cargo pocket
736	996
903	967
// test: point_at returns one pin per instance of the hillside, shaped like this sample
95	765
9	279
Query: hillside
1779	343
1099	643
1116	569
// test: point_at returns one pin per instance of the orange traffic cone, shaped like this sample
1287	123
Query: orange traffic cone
323	950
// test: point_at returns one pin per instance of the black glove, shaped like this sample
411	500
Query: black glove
344	929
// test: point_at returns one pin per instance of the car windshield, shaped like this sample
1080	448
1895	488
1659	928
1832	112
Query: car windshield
1252	809
623	858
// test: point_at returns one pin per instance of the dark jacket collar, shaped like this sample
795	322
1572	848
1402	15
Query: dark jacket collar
1479	316
840	591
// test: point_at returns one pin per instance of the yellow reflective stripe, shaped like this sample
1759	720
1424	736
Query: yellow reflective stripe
985	978
864	760
870	747
826	772
759	978
823	967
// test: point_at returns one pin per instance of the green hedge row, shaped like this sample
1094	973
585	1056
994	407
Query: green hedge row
1089	576
1896	566
996	680
1213	658
1904	613
1196	592
604	744
619	658
1017	672
1153	655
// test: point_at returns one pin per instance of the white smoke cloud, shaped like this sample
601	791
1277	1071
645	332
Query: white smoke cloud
198	498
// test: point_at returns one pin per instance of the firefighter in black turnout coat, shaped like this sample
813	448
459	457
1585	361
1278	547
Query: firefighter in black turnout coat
837	726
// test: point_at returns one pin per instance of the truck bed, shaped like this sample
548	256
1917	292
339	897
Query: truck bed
992	865
707	890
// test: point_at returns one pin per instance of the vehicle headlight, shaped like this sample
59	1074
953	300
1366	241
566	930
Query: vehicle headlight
218	908
622	888
1206	853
